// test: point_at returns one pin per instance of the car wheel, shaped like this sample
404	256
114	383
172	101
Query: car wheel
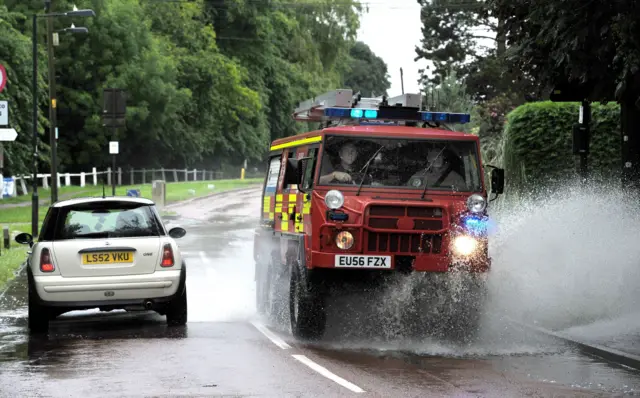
177	310
38	315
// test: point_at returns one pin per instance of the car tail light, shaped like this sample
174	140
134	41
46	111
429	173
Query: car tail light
167	256
46	264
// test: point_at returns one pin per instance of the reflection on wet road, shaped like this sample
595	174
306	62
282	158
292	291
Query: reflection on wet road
226	350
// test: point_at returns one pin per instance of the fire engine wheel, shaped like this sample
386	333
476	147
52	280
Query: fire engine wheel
465	319
308	318
262	287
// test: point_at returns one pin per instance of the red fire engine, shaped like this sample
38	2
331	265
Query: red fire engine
381	189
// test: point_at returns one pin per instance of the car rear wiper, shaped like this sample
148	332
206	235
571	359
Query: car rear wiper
93	235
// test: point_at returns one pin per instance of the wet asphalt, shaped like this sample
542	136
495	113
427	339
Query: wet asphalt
227	350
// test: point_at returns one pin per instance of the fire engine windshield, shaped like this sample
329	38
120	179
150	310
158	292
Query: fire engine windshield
401	163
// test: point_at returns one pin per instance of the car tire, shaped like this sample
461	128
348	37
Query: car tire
38	316
177	310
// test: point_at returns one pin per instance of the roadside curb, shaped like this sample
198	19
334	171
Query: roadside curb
208	196
609	354
16	274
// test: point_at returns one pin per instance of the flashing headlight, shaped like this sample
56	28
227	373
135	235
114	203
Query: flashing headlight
464	245
344	240
476	203
334	199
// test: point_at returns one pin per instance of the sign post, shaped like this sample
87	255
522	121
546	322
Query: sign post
114	149
113	115
6	134
3	77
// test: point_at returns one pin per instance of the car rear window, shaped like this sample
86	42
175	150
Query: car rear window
106	220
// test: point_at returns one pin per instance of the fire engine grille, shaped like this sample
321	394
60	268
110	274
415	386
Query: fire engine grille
404	243
419	218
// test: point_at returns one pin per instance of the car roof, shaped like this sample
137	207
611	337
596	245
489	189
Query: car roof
99	199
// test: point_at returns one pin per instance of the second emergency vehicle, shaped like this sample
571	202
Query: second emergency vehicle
382	188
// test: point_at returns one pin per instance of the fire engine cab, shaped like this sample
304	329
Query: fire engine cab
382	188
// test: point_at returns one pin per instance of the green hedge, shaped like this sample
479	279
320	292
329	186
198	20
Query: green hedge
538	145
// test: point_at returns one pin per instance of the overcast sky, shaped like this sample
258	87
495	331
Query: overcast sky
391	28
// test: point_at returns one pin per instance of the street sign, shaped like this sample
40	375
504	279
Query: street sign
115	108
3	77
113	147
4	113
8	134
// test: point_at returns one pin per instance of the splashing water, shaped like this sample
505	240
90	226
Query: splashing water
571	259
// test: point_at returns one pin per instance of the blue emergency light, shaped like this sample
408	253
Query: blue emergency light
397	113
476	225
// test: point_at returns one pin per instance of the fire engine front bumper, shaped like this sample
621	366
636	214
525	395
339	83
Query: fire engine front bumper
387	261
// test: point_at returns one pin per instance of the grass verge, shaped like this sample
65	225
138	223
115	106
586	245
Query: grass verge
11	259
176	191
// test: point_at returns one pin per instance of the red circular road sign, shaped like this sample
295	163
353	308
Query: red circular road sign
3	77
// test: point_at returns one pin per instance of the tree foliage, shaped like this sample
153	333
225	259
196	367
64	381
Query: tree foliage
451	32
595	42
368	73
209	82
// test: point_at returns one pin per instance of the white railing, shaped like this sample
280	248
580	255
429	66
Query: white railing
83	179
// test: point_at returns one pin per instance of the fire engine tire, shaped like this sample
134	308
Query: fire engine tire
306	306
38	316
262	288
466	319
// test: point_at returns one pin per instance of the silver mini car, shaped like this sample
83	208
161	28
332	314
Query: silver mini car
107	253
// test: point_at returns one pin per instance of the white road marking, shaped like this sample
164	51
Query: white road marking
270	335
326	373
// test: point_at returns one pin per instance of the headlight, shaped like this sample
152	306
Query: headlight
476	203
344	240
334	199
464	245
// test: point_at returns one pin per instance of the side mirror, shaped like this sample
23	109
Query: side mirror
177	232
497	181
24	239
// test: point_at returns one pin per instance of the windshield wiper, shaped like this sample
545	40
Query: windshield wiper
366	168
426	185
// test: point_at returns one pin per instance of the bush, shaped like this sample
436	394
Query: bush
538	145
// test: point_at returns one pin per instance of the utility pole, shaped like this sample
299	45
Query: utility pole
34	137
52	103
402	80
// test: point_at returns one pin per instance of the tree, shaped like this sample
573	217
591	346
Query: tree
368	74
451	30
15	55
449	35
592	46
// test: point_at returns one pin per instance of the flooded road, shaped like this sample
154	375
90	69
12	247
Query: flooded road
226	350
